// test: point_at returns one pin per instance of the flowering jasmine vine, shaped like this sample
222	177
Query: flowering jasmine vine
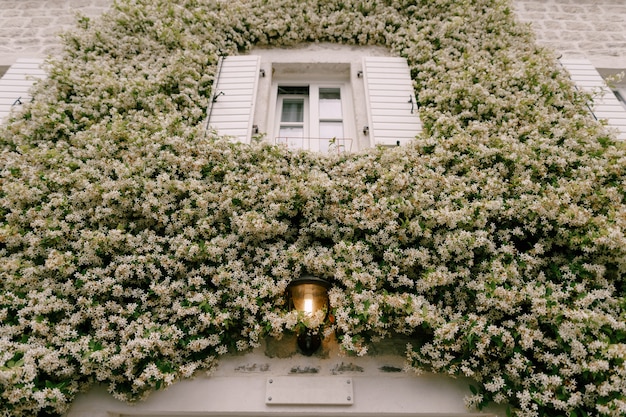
136	249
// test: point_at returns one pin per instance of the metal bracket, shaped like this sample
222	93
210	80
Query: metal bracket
221	93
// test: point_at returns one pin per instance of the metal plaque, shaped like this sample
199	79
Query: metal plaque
309	390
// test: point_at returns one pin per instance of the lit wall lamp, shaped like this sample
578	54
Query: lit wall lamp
307	295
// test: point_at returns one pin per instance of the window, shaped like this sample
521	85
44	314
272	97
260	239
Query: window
333	99
331	116
311	117
294	103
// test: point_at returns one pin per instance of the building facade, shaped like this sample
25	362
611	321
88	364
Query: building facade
331	98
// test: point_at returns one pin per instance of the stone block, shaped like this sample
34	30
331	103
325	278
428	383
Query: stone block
577	26
29	14
12	23
565	48
92	11
535	17
562	16
11	13
31	5
50	50
11	5
27	41
51	31
66	20
613	18
617	36
590	46
41	21
571	36
10	33
547	36
615	10
83	3
576	10
597	37
601	26
553	25
533	7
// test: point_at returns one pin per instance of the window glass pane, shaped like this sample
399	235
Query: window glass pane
293	137
291	132
293	111
301	91
330	103
330	93
329	130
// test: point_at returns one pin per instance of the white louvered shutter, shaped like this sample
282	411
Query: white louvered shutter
234	94
16	83
391	105
605	105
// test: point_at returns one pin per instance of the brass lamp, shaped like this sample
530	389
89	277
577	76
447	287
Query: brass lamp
307	295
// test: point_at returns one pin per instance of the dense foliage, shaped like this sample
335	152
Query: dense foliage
135	249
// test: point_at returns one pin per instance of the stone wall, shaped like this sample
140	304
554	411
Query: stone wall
30	29
595	29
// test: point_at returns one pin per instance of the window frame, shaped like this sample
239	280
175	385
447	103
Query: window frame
305	124
312	116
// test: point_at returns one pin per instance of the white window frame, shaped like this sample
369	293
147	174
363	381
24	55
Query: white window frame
311	109
306	122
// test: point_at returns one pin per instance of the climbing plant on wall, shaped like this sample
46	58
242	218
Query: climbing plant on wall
136	249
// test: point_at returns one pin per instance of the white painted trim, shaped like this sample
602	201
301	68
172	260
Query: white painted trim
239	388
245	395
605	105
314	81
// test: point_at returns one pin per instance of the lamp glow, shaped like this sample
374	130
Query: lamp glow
308	306
308	295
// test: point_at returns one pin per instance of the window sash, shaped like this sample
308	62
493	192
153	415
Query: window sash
322	123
